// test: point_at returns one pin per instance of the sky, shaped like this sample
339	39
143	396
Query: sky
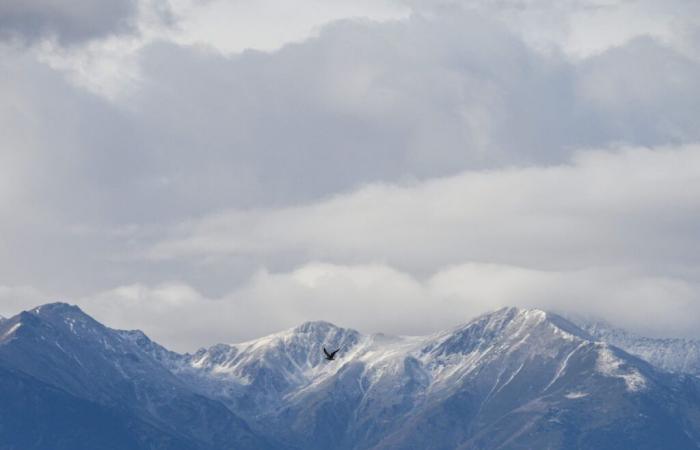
213	171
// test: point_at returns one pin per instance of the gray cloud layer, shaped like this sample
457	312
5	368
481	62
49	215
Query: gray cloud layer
67	21
633	208
395	152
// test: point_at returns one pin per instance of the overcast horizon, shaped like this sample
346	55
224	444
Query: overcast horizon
213	171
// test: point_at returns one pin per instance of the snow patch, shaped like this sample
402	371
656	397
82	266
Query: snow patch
576	394
12	329
71	324
610	365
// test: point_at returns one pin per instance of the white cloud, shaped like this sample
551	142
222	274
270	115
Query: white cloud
232	27
379	298
582	28
627	207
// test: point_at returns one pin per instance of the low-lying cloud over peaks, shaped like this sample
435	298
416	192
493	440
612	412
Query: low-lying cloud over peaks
379	298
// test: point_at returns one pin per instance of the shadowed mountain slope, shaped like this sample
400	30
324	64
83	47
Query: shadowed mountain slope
60	347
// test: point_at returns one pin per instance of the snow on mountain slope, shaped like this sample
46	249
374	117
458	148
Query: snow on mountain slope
671	354
291	362
508	369
511	379
254	377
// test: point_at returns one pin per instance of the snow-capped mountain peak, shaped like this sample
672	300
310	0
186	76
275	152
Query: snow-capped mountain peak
254	376
512	372
259	376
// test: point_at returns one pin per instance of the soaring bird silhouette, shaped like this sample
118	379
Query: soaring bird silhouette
330	356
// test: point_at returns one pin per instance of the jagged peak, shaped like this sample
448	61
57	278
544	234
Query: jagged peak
504	316
316	325
510	314
506	323
316	328
138	337
133	334
58	308
62	316
520	311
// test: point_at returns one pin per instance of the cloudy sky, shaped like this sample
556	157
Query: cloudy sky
214	170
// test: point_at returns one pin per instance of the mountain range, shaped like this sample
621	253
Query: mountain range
510	379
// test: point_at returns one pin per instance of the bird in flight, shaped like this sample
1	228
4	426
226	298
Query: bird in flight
330	356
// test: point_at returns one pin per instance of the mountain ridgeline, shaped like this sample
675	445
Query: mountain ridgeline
511	379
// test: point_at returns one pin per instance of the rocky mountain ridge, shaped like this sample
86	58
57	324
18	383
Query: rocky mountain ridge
509	379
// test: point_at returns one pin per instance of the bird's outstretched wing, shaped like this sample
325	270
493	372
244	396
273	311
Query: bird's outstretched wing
333	354
328	355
